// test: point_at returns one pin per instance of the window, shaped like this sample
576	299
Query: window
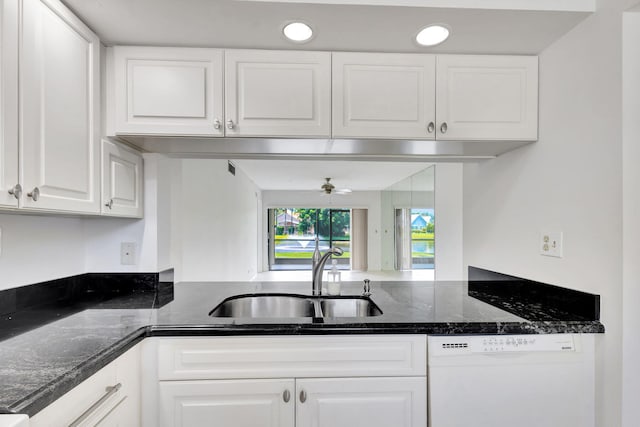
293	232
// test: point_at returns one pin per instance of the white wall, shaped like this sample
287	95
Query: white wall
449	221
570	180
37	248
631	225
217	222
152	235
369	200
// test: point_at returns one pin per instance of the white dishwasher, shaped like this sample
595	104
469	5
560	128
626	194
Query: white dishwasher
512	380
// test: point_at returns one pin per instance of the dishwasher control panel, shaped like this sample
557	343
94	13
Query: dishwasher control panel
500	344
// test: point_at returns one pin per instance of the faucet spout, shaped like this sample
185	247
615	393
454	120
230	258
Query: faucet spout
318	268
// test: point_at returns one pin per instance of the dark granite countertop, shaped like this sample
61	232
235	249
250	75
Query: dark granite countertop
41	364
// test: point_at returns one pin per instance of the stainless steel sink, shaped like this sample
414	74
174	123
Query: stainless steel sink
292	305
349	307
265	306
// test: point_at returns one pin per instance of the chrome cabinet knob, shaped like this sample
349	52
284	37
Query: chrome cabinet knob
16	191
286	396
443	127
431	127
303	396
34	194
109	204
217	124
230	125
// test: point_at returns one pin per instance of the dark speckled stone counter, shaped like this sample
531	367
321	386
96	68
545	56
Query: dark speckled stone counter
41	364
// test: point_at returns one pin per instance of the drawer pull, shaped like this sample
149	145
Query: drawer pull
111	390
303	396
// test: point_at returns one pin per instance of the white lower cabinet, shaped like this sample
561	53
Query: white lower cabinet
286	381
109	398
231	403
366	402
303	402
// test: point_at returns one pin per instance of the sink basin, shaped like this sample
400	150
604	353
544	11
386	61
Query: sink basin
265	306
291	306
349	307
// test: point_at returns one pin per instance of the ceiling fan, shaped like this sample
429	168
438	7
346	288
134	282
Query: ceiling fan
329	188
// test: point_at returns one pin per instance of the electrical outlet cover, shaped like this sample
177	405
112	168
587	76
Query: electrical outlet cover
127	253
551	243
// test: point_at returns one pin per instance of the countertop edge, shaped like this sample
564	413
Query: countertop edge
40	399
35	402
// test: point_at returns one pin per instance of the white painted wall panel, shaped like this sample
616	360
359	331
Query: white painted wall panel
570	180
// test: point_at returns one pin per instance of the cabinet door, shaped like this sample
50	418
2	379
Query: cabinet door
487	97
8	101
232	403
167	91
122	176
371	402
60	124
383	95
276	93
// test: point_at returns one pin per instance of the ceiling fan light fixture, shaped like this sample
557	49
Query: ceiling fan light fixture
432	35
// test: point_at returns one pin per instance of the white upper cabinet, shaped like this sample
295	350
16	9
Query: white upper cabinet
277	93
9	103
121	181
384	95
487	97
60	117
167	91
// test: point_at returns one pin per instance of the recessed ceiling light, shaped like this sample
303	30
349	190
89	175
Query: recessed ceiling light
298	32
432	35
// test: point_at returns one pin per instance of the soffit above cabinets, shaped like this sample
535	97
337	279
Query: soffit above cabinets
490	27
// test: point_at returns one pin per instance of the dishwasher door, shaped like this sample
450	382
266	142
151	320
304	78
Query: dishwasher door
512	380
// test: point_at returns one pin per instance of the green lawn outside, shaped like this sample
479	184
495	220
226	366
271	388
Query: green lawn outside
421	255
421	236
304	255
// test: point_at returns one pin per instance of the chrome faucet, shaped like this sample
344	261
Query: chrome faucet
318	268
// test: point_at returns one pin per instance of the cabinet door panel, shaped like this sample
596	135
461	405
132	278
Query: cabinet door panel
167	91
122	177
272	93
60	109
233	403
487	97
8	101
371	402
383	95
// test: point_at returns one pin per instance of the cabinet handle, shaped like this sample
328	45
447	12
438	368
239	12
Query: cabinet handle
86	414
216	124
110	204
303	396
16	191
230	125
443	127
34	194
286	396
431	127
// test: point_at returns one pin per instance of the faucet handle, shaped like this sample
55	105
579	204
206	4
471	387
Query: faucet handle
367	288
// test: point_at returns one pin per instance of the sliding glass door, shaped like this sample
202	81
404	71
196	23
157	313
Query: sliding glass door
293	231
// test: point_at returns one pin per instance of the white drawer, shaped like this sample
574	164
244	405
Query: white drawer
291	356
92	400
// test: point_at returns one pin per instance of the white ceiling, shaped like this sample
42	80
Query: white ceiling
310	174
257	24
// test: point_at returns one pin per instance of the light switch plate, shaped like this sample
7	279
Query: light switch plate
551	243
